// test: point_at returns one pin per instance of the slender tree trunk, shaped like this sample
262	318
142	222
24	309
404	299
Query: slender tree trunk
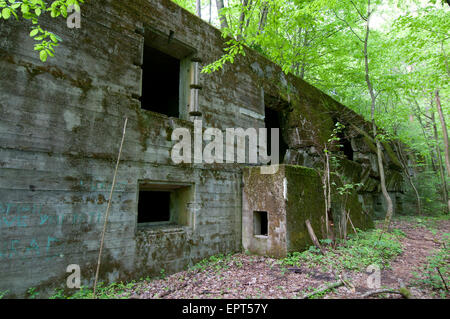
325	197
222	17
199	8
327	185
441	166
447	67
425	135
330	230
444	132
296	44
243	12
390	208
242	19
210	11
404	163
303	67
263	20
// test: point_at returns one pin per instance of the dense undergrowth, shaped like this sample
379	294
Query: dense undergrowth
356	253
436	273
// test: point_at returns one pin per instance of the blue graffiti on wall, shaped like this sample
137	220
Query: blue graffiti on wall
49	247
20	215
16	218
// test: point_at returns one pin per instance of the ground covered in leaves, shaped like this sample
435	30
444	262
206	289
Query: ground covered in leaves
415	255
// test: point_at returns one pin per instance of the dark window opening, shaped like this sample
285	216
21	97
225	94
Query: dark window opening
273	120
164	205
346	147
160	82
153	206
260	223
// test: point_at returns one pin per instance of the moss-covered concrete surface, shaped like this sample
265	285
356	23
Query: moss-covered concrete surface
291	196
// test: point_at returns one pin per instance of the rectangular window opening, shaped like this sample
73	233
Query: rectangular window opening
164	204
160	82
273	120
260	224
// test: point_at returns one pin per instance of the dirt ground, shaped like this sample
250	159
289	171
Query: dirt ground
247	276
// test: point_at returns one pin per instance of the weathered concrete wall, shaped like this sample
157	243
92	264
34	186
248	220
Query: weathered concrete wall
264	192
305	200
309	125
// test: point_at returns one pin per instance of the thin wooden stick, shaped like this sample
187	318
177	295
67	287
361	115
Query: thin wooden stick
347	283
108	207
327	287
443	280
313	236
404	293
350	220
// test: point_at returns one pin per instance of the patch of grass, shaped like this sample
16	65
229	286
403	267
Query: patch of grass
429	222
32	293
216	262
238	263
358	252
112	291
398	232
3	294
321	294
438	264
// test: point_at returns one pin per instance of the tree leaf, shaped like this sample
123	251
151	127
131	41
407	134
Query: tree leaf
43	55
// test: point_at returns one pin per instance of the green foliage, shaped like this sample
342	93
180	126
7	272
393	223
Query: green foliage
319	295
432	223
234	48
32	10
3	294
428	185
438	264
215	262
347	188
112	291
187	4
361	250
32	293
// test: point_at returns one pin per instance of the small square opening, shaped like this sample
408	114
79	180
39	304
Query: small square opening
153	207
260	223
160	82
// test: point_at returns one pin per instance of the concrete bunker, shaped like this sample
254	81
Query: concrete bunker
62	124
